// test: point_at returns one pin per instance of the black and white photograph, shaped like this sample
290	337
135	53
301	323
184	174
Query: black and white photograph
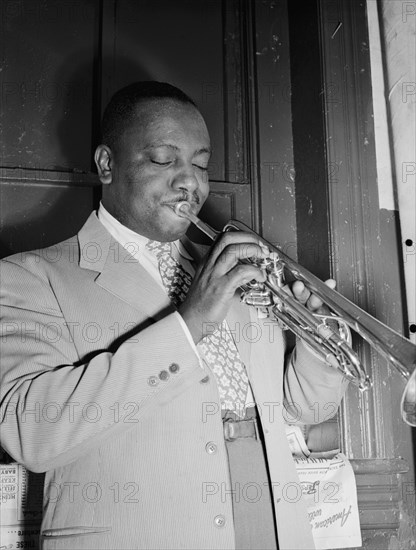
207	274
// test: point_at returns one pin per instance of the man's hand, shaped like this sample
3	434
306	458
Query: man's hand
304	296
217	278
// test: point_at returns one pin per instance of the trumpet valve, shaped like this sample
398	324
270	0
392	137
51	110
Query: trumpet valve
275	270
256	295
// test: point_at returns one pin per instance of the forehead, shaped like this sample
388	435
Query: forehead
160	121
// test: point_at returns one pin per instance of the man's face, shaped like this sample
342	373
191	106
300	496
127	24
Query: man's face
160	159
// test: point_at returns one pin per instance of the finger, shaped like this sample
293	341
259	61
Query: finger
314	303
233	254
331	283
286	289
241	275
251	246
300	292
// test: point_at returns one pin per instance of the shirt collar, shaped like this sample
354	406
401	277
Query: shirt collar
126	236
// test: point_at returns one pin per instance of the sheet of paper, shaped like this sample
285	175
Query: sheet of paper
329	488
296	441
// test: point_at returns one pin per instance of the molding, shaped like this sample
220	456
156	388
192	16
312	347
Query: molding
274	194
226	201
233	93
380	498
380	466
366	264
108	43
240	101
47	178
308	128
354	210
240	193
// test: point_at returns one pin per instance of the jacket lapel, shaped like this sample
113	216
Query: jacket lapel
119	272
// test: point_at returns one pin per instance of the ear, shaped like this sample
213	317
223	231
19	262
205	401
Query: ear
104	160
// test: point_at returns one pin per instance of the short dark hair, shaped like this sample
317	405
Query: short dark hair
122	106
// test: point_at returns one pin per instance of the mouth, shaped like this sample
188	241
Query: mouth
175	216
193	205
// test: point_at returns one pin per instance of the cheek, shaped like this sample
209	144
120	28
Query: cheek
144	200
138	185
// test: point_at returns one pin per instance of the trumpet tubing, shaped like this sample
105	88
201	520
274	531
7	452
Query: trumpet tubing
316	330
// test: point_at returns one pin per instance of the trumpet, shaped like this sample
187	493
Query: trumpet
328	335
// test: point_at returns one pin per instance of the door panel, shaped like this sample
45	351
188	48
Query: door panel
47	83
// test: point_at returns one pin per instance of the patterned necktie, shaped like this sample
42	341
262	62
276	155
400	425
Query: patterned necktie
218	349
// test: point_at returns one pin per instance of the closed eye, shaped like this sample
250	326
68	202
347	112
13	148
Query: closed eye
204	168
161	163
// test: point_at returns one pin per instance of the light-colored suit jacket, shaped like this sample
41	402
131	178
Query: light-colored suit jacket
102	390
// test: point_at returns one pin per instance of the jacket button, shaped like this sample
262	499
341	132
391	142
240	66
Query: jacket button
211	448
163	375
205	380
174	367
219	521
152	381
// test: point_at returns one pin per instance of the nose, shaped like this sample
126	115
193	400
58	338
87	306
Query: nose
186	179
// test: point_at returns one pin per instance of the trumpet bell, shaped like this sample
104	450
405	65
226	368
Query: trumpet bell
408	403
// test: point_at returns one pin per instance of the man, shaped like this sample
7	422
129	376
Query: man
116	383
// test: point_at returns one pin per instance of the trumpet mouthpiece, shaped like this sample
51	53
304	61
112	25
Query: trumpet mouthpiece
183	209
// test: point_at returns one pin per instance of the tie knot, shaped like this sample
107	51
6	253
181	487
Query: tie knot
160	250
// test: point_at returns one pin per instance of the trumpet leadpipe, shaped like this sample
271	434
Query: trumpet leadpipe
183	210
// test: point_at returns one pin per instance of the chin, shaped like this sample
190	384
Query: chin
172	236
172	232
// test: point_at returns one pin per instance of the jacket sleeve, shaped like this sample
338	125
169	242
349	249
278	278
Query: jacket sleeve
54	409
312	390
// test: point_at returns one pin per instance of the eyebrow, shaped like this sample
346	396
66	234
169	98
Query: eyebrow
175	148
